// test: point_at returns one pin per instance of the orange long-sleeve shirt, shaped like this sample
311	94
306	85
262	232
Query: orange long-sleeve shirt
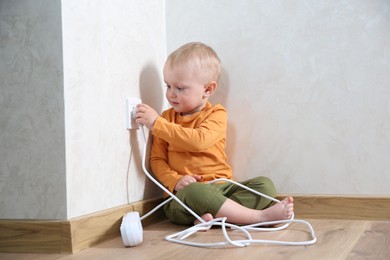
190	145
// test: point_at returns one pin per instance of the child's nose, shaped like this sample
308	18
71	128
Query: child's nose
172	93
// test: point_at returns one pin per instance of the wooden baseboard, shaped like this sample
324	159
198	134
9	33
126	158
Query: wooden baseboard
341	207
71	236
22	236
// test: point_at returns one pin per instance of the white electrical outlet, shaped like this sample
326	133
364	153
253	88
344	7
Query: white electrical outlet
131	104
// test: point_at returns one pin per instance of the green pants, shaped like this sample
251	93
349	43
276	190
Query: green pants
208	198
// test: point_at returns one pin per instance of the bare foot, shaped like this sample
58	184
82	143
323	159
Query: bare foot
279	211
206	217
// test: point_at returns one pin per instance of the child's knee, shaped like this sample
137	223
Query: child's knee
195	192
195	197
265	185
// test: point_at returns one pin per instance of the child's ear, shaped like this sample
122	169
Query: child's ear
209	89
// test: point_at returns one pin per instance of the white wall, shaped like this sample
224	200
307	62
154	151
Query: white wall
112	49
307	87
306	84
32	139
65	70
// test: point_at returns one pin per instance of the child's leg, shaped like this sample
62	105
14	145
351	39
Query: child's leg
209	201
246	207
238	214
249	199
200	197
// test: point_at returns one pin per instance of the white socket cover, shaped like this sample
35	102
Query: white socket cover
131	104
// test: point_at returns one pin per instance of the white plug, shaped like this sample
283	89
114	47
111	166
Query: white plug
131	104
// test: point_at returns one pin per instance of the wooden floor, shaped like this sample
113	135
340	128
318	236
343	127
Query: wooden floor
337	239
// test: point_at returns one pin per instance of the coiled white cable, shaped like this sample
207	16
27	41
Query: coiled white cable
131	228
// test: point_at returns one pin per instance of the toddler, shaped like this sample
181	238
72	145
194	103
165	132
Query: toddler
189	142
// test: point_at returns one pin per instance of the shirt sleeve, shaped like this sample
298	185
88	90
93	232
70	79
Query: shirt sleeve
207	133
160	166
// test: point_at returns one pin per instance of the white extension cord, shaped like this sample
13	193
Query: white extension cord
132	233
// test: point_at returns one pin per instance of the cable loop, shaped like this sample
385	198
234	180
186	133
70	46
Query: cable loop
131	228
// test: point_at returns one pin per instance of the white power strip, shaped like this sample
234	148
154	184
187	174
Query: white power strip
131	229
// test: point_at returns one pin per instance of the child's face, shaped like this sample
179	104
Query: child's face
185	89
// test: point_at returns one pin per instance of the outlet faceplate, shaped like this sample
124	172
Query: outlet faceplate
131	104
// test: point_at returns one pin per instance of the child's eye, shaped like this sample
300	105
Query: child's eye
167	86
182	88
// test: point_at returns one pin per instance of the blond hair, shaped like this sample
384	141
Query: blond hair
199	55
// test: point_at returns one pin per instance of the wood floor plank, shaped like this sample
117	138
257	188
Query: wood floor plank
336	239
374	243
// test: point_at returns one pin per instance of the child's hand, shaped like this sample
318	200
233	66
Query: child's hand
145	115
185	180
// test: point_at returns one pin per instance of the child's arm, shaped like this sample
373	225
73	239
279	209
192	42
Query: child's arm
209	131
160	167
158	160
204	135
164	173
